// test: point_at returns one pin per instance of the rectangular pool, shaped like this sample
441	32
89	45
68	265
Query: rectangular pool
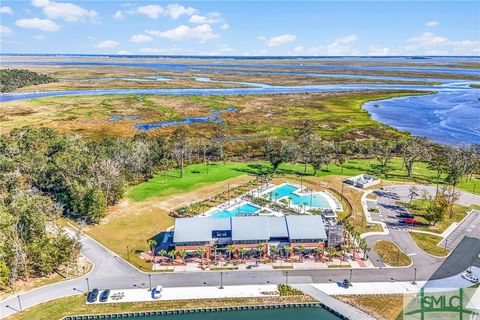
246	208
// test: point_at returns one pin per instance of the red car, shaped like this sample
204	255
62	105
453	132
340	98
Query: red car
409	221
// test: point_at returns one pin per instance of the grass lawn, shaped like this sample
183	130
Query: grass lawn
75	305
419	206
391	254
428	243
380	306
195	177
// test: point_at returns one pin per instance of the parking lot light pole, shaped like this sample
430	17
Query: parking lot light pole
286	277
415	277
446	243
221	280
351	274
88	285
150	281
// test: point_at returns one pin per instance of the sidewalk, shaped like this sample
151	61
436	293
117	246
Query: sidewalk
190	293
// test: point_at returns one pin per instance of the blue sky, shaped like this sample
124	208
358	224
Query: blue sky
242	28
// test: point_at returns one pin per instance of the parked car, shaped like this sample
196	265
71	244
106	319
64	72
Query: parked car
157	292
409	221
104	295
92	296
405	215
470	277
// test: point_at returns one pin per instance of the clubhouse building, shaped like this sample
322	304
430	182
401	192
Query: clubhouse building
307	231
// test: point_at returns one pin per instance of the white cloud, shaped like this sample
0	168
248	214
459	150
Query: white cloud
429	43
432	23
298	49
175	11
211	18
428	39
36	23
201	32
64	10
6	9
279	40
124	52
379	51
5	30
118	15
39	37
107	44
140	38
339	47
152	10
225	26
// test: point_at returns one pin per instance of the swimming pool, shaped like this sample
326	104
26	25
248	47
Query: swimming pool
246	208
314	200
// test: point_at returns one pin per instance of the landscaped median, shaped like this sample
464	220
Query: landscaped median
429	244
391	254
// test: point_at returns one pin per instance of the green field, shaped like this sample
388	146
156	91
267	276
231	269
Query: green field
428	243
196	175
391	254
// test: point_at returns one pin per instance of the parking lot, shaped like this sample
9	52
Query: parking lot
388	211
469	227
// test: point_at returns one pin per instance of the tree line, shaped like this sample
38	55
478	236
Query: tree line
12	79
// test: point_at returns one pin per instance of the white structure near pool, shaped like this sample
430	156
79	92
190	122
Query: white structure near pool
296	197
363	181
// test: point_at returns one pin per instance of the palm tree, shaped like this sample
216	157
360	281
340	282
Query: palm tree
273	251
241	251
201	252
344	250
287	250
172	254
230	250
162	253
261	249
365	248
319	251
301	251
151	243
331	252
182	254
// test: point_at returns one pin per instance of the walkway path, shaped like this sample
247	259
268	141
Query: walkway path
333	304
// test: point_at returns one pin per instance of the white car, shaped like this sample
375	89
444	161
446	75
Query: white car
157	292
470	277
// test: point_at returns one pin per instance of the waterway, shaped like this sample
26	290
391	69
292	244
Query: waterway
303	313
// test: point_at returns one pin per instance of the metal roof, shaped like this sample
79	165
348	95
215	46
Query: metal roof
305	227
193	230
278	227
250	228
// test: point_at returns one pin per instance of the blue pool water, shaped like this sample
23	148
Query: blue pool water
315	200
246	208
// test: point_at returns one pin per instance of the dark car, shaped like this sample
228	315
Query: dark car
405	215
92	296
104	295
